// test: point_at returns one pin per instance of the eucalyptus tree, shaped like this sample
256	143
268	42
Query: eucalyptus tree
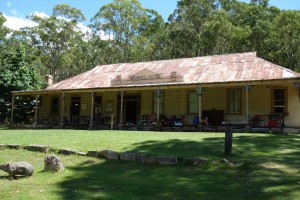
148	44
204	27
129	28
4	31
285	41
56	37
259	17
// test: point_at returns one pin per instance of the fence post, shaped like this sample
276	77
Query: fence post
228	140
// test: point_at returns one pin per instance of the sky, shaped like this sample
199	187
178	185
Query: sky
15	11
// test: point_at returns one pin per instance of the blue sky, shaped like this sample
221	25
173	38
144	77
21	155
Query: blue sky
16	10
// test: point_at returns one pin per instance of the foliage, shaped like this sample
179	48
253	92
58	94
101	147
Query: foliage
285	41
3	33
204	28
56	38
129	27
17	74
3	30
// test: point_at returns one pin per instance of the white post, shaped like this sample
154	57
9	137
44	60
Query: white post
247	104
62	109
12	110
36	110
92	111
199	92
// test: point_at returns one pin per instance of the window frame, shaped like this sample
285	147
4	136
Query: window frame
229	101
285	111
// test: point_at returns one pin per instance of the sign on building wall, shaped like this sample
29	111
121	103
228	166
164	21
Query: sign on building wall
146	76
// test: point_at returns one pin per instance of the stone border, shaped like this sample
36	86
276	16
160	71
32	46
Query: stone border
122	156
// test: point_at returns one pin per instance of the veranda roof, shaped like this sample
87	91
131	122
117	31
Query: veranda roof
238	67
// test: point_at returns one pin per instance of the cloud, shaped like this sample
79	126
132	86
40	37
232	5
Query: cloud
9	4
15	23
14	12
40	14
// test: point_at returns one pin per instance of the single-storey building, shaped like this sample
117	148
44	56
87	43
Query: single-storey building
215	90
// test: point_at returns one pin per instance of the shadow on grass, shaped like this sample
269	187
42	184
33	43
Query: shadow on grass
4	177
269	172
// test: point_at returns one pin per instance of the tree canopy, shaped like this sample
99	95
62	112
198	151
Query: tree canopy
17	74
124	31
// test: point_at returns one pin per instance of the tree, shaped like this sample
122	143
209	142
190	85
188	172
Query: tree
56	36
285	41
4	31
148	43
18	74
204	27
128	26
259	17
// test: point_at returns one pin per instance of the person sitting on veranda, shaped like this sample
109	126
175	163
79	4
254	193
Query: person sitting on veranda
195	120
204	121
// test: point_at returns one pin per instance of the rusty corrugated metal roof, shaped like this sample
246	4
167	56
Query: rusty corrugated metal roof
209	69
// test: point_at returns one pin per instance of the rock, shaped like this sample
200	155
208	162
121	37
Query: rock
128	156
53	164
17	168
151	159
141	158
113	155
67	152
226	161
188	161
38	147
103	153
167	160
199	161
81	153
14	146
94	154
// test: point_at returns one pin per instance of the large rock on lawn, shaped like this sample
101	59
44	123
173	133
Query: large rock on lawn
53	164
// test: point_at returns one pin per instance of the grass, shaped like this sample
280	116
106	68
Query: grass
270	169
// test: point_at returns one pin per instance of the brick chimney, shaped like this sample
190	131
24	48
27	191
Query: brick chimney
173	76
49	79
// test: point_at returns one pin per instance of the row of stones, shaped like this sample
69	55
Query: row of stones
111	155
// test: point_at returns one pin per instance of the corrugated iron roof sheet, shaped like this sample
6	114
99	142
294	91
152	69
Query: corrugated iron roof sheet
209	69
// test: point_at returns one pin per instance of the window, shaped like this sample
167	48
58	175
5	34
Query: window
193	102
234	101
161	99
279	100
54	108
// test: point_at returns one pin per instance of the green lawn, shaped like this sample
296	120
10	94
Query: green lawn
270	169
